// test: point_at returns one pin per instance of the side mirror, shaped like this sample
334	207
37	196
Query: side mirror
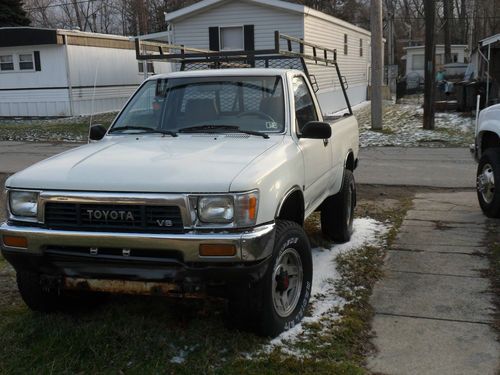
97	132
316	130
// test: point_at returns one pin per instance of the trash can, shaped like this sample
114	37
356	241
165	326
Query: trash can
460	94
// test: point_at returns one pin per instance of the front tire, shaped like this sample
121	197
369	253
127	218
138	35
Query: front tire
337	211
286	286
488	175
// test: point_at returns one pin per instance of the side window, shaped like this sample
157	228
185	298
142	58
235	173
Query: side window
26	61
304	104
6	63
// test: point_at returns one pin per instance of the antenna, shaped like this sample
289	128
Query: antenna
92	103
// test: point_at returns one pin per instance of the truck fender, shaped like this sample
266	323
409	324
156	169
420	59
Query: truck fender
298	215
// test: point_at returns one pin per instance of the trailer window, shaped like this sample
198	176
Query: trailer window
231	38
26	61
346	44
6	63
418	62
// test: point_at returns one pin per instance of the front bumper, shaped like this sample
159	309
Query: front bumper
139	256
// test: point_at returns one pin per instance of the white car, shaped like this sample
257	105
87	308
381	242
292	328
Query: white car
487	152
201	186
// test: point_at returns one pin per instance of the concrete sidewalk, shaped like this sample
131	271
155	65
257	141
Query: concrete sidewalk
433	310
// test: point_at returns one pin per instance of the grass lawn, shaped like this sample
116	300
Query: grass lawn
137	335
72	129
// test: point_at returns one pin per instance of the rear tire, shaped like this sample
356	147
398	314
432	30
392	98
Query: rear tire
488	176
337	211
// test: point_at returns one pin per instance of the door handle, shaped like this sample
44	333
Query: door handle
325	142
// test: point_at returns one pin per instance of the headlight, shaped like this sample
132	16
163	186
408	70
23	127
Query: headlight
23	203
237	209
216	209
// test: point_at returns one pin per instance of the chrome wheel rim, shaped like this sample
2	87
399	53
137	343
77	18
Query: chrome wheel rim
287	282
486	183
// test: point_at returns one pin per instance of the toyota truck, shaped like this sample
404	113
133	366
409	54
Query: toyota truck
200	186
487	153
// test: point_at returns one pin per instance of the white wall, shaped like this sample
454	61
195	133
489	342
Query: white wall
53	68
14	101
332	101
193	31
112	66
115	72
330	33
34	103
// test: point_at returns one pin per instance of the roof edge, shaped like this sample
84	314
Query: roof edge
490	40
316	13
198	7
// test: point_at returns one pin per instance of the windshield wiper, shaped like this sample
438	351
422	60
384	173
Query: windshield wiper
144	129
221	129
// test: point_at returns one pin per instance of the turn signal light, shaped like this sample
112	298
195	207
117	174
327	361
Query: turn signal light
12	241
252	208
217	250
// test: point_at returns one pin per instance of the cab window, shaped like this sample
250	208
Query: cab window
305	110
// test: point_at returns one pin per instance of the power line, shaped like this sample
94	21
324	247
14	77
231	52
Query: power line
62	4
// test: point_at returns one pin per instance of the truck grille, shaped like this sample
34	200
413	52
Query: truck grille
117	218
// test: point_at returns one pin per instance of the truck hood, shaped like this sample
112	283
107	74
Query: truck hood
148	163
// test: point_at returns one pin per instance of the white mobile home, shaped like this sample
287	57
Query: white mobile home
250	24
48	72
415	57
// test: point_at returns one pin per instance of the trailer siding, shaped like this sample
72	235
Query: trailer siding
47	92
330	33
192	31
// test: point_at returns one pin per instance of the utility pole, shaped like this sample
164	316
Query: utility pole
430	68
377	64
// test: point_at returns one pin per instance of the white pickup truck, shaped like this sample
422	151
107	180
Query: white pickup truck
200	186
487	153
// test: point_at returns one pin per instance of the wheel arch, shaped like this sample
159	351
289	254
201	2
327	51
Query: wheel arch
291	206
488	139
350	161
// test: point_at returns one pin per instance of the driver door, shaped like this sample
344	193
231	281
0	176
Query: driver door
317	153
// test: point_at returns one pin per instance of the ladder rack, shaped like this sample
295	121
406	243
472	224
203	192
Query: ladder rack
295	56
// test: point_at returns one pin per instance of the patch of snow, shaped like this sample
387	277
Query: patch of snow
181	357
403	126
323	298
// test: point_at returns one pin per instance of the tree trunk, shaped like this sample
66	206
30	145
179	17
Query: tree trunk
77	14
447	32
430	69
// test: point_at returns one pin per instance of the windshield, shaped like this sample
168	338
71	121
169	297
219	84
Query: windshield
253	104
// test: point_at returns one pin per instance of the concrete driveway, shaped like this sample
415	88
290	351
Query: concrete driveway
434	167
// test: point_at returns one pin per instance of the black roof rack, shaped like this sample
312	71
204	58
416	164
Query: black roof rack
293	57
